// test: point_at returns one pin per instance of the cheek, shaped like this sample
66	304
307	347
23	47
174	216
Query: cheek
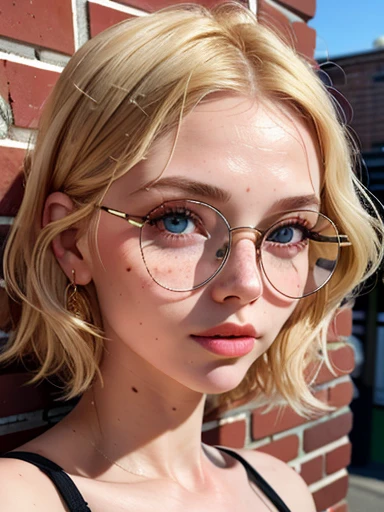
277	315
123	284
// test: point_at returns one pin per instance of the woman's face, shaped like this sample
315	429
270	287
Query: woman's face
251	162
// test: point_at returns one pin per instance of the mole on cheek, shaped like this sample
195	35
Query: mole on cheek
173	408
248	189
134	389
129	269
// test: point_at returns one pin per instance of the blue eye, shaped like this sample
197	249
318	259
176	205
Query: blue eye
178	224
282	235
286	235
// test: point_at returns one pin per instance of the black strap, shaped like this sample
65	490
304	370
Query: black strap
76	503
63	482
259	481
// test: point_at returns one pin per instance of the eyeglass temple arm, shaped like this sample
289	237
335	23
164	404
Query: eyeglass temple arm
342	240
125	216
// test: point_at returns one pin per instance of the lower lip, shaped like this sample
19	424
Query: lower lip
230	347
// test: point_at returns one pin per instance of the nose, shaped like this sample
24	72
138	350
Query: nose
241	278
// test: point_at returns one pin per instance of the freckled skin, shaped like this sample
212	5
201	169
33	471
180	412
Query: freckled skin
236	145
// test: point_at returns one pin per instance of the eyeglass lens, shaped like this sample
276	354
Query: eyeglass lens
185	243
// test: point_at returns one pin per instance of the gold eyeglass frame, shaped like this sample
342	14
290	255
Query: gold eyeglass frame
139	222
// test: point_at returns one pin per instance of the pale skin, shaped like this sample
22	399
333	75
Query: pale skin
147	417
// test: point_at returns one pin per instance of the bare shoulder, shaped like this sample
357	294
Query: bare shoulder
23	487
283	479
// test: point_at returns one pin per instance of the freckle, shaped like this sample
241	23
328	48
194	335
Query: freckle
157	339
141	323
118	419
120	294
134	389
248	189
129	269
170	271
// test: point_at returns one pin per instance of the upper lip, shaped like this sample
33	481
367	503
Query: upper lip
227	330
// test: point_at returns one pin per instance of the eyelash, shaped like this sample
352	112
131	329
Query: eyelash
301	224
299	221
174	211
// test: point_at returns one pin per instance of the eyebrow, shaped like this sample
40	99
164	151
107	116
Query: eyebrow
193	187
296	202
205	190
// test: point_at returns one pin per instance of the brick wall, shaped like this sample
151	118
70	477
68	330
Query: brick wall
362	82
36	40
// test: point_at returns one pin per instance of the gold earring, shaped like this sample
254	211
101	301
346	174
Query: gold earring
72	298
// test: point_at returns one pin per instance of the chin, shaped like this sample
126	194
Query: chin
222	379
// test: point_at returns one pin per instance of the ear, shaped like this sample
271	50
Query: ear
65	246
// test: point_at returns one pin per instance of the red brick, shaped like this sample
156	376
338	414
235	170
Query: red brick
327	431
305	39
16	398
101	17
45	23
3	80
322	395
342	360
274	18
341	394
9	442
11	182
154	5
340	507
312	470
338	458
306	9
230	434
285	449
341	325
274	421
331	494
28	89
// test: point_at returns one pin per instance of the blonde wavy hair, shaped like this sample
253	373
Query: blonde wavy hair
124	90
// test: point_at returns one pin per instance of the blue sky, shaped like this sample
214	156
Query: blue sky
347	26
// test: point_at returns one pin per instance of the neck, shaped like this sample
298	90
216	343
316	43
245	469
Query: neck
143	421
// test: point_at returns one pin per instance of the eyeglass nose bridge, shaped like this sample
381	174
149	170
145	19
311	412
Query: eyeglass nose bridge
223	252
257	232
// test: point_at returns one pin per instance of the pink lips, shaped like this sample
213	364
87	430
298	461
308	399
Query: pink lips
229	340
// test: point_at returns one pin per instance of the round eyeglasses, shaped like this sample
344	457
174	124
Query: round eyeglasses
186	243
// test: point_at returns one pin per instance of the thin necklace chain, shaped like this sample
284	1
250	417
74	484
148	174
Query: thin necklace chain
94	445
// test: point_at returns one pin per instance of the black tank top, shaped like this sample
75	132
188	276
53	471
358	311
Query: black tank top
76	503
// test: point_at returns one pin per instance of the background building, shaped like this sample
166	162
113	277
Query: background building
362	82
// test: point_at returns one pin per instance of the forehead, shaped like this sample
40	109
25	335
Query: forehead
240	145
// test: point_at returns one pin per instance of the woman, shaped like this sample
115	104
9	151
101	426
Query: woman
191	222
